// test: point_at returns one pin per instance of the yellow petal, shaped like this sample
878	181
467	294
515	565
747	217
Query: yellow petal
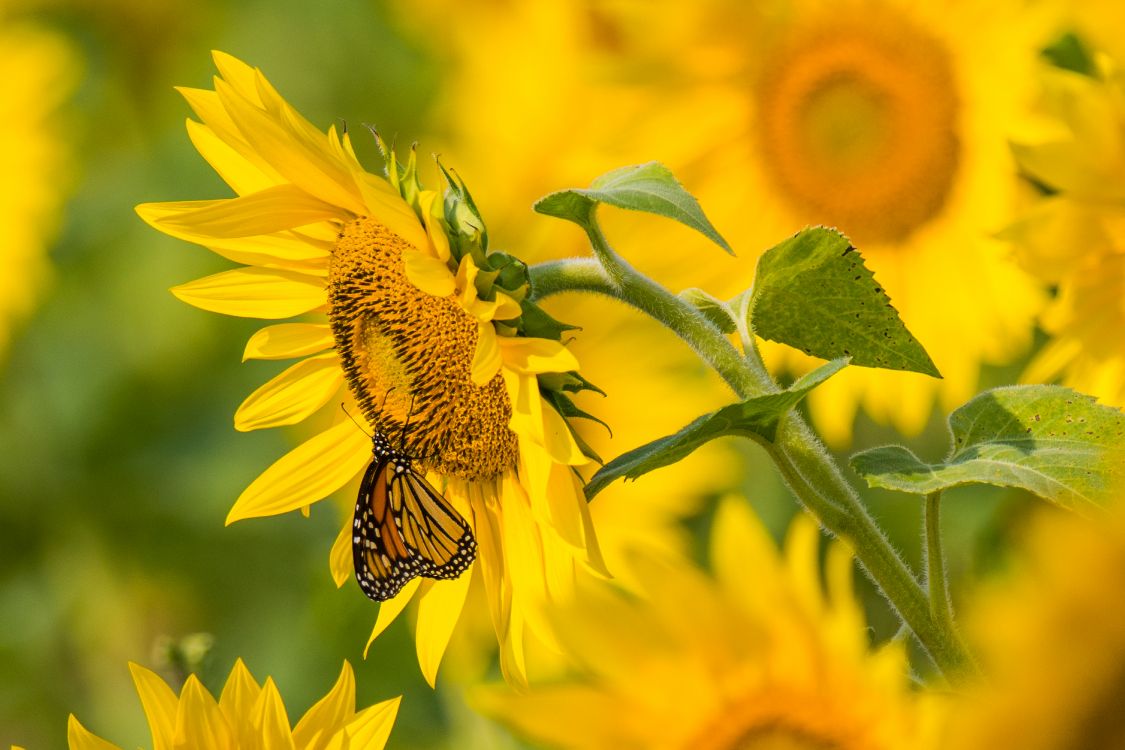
159	703
310	472
328	714
428	273
432	213
559	441
243	176
293	395
507	308
79	738
199	722
255	293
271	719
490	558
391	609
240	695
238	74
486	357
439	608
264	212
802	558
288	340
340	560
740	543
534	356
387	207
372	726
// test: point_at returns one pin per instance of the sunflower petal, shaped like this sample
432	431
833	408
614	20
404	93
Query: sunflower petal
264	212
391	609
372	726
340	560
330	712
293	395
428	273
439	608
240	695
159	704
535	356
243	175
310	472
255	293
199	722
487	356
288	340
271	719
80	738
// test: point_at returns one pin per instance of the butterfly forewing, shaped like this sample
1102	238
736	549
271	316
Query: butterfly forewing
404	528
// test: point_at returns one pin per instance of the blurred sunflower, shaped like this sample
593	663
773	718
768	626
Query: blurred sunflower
1075	238
429	332
39	69
249	715
760	657
1051	636
885	118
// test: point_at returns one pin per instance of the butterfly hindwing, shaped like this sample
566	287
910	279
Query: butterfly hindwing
404	528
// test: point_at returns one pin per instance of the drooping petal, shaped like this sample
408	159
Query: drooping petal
391	609
264	212
159	703
288	340
272	720
291	396
534	356
486	357
439	607
255	293
340	560
372	726
80	738
240	695
320	722
310	472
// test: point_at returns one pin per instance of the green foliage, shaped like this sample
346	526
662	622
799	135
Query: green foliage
1070	52
649	187
1050	440
755	418
814	293
715	310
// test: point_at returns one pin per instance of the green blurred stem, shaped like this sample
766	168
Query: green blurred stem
940	605
801	458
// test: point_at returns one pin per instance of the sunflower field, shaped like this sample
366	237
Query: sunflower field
600	374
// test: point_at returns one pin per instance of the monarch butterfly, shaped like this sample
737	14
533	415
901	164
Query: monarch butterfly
403	527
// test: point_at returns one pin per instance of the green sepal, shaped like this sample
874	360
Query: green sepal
1070	52
536	323
403	177
650	187
566	407
467	227
756	418
813	292
1049	440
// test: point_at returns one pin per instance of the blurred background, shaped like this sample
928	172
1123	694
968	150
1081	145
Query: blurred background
119	458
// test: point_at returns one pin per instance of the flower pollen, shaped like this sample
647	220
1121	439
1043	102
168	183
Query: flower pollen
407	356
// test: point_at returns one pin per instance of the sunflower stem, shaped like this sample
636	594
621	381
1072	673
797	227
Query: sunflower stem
801	458
936	581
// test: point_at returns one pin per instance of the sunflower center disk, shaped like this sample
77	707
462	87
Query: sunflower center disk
858	125
406	357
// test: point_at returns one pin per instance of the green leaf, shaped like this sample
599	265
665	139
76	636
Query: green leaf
1070	52
647	187
1047	439
715	310
756	418
814	293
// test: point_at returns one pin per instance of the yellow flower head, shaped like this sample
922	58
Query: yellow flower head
40	70
1075	239
1051	636
760	656
427	330
249	715
886	118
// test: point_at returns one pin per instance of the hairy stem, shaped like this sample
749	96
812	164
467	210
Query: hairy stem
940	604
801	458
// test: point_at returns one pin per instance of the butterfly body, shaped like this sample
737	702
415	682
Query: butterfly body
403	527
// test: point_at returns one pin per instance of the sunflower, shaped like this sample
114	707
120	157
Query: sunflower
760	656
1075	238
39	69
1051	636
885	118
410	316
249	715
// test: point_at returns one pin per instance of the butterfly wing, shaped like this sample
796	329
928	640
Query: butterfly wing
405	528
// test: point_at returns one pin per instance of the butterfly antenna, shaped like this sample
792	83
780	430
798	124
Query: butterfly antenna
402	437
357	424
